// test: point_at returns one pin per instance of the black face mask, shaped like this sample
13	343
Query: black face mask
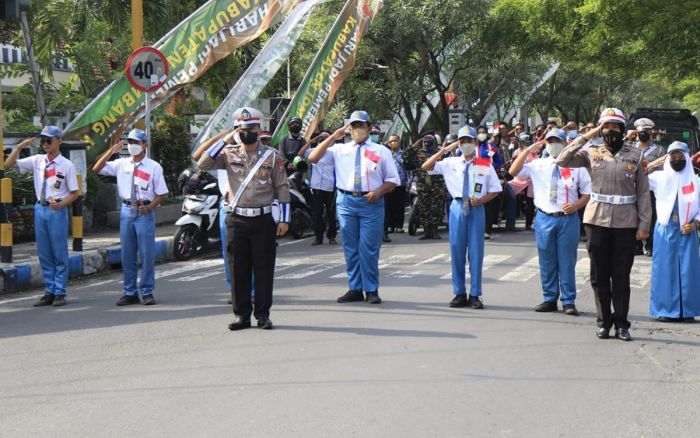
429	144
644	136
677	165
248	137
295	129
613	139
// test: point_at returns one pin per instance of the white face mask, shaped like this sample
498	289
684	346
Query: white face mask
554	149
482	137
134	149
467	149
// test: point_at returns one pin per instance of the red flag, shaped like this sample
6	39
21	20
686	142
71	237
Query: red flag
482	162
689	189
48	173
372	156
565	172
138	173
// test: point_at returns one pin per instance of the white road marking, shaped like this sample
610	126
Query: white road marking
382	263
315	269
200	276
524	272
641	273
489	262
202	264
583	270
431	260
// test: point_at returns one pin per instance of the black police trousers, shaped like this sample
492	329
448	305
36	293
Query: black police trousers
252	251
323	201
611	251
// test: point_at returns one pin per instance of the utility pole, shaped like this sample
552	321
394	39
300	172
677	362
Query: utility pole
137	42
38	93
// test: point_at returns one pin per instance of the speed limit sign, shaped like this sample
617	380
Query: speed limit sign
147	69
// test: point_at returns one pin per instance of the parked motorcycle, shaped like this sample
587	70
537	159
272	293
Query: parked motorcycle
201	215
300	200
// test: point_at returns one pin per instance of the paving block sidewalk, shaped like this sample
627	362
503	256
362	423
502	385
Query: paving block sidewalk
101	252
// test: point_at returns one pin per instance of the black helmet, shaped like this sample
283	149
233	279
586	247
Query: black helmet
295	121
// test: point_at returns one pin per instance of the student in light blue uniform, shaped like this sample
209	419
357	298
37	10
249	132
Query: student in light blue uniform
365	172
56	188
675	279
557	227
141	186
472	182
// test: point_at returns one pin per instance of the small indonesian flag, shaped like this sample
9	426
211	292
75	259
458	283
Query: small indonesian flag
48	173
565	172
372	156
141	178
482	162
688	192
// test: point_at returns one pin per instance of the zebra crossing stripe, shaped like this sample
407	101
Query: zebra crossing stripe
382	264
489	262
313	270
524	272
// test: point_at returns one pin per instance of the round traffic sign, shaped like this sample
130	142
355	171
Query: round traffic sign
147	69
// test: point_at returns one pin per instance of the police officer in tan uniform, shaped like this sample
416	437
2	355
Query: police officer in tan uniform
256	176
618	213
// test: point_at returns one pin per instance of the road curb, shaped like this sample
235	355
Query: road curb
19	277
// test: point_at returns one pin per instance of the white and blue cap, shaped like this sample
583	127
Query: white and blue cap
248	116
466	131
137	135
556	132
677	146
359	116
51	131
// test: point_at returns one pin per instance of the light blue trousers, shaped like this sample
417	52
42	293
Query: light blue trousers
51	230
557	245
467	240
138	236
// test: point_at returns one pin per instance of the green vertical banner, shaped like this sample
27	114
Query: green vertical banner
210	34
332	65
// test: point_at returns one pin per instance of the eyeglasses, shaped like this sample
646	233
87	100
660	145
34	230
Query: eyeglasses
45	140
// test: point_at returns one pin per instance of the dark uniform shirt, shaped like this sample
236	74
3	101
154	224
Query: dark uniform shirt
290	147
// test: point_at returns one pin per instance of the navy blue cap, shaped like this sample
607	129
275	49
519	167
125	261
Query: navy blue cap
359	116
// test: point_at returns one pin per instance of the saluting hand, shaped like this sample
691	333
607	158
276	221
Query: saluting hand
339	133
26	143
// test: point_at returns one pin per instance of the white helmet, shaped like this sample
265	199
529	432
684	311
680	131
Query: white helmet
612	115
643	124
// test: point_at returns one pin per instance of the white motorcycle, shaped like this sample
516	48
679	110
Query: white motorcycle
201	216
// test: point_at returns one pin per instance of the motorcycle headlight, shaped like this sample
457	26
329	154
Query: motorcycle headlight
192	206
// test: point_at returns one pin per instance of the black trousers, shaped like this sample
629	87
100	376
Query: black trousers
612	254
323	201
493	210
251	253
650	241
395	208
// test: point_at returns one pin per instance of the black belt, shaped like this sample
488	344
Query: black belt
47	203
357	194
142	203
559	213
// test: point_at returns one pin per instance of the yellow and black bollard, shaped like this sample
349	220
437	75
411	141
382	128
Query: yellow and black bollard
77	219
5	222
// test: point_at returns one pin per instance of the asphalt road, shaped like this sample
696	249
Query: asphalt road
411	367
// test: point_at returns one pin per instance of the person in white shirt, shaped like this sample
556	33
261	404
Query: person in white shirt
364	173
323	192
472	182
557	226
141	186
56	187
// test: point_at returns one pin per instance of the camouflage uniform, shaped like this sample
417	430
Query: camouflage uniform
431	189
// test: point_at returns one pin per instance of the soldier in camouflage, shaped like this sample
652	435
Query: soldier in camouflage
431	188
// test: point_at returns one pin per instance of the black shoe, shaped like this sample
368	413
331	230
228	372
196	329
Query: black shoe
317	242
666	319
239	323
547	306
623	334
149	300
351	296
689	320
426	236
230	301
46	300
386	238
437	236
603	333
399	230
391	230
332	241
475	302
373	298
59	301
264	323
459	301
487	236
128	299
570	309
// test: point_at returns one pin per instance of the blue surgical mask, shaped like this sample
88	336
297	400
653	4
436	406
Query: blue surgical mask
571	134
374	138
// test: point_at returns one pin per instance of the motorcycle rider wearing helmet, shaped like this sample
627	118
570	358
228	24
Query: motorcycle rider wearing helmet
618	213
645	141
291	145
255	176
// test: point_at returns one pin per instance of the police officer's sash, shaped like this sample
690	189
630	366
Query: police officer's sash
249	178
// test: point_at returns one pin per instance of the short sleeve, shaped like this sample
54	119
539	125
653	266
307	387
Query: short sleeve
71	178
525	172
27	164
494	183
110	168
584	181
159	186
439	168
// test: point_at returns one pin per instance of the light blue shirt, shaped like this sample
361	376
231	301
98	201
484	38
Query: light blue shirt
322	173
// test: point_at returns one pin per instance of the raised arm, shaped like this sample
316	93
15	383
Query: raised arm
12	158
321	149
519	162
573	156
106	156
430	162
207	144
